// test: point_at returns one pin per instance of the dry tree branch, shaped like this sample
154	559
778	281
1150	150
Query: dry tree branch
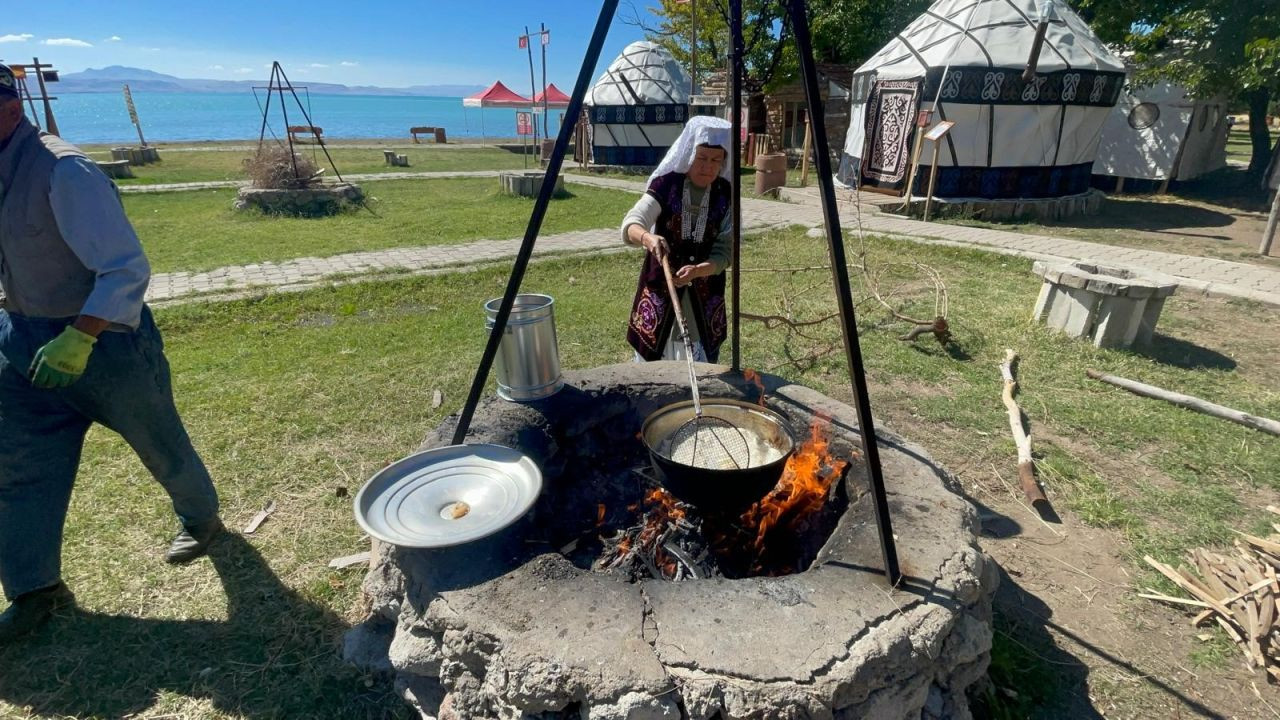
772	321
1021	438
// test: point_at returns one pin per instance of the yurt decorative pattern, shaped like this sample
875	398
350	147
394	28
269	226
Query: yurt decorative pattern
1013	137
638	107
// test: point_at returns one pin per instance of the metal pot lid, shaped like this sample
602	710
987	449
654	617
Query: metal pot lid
448	496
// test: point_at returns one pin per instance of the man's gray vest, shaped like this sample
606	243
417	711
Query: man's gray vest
39	273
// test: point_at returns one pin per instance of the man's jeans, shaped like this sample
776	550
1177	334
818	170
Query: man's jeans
126	388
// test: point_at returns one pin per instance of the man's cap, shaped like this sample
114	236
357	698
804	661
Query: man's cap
8	83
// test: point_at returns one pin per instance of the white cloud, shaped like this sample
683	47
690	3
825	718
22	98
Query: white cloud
113	38
318	65
66	42
347	63
243	71
215	67
16	38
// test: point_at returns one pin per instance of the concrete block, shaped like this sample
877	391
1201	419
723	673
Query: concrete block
1072	310
1147	322
1118	320
1042	302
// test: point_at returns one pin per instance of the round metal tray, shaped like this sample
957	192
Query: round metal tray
448	496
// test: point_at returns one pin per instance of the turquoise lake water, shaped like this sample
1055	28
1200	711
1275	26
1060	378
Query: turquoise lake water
103	117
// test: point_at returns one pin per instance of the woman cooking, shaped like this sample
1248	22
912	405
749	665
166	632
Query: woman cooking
684	217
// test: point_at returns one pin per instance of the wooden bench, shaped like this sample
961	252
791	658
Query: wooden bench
117	169
299	133
394	159
438	132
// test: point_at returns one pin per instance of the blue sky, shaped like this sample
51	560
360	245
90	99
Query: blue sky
390	43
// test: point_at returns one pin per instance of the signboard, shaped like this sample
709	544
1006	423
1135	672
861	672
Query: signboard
524	123
546	37
128	100
923	117
706	100
938	131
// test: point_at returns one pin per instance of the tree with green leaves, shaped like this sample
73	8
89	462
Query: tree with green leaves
843	31
1212	47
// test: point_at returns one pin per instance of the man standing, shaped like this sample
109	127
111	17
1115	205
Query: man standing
77	346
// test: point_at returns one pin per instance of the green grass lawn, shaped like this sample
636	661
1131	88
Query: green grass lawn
298	398
1240	148
198	230
207	165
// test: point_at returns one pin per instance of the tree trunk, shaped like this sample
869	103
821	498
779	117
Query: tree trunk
1259	132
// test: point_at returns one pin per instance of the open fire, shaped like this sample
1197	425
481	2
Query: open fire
779	535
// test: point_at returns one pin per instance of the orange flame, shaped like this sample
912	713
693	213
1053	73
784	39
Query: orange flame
600	510
803	489
754	377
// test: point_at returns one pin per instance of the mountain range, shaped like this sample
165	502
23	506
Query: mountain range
109	79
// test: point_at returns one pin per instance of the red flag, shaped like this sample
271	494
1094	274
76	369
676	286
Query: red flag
524	41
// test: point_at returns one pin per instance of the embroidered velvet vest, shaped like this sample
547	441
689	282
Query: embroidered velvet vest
652	316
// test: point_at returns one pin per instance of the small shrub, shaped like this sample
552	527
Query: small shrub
273	168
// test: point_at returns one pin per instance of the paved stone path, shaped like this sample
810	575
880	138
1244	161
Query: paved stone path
1204	275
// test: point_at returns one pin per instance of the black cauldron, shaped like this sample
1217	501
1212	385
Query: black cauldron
728	492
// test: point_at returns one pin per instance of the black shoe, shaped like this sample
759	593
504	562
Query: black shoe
193	541
30	610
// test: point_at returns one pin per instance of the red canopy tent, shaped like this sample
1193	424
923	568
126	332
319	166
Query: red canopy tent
498	95
555	98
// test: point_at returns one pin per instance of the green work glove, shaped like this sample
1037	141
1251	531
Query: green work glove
61	361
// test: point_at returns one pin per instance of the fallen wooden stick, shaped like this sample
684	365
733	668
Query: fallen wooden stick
1267	545
1189	402
1153	595
349	560
1192	588
1026	466
260	518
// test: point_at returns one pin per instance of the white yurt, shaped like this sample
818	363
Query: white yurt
1162	133
638	107
1012	138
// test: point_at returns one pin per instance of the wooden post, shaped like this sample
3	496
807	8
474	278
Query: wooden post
133	115
1119	184
933	179
914	166
804	158
533	88
1270	234
50	124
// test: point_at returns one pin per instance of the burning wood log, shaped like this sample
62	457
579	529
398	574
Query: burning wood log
1021	438
1240	593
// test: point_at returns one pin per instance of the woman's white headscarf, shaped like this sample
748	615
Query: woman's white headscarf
700	130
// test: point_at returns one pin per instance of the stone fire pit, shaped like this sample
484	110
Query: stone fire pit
519	626
317	201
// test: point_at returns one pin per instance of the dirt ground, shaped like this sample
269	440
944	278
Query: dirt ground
1221	215
1067	600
